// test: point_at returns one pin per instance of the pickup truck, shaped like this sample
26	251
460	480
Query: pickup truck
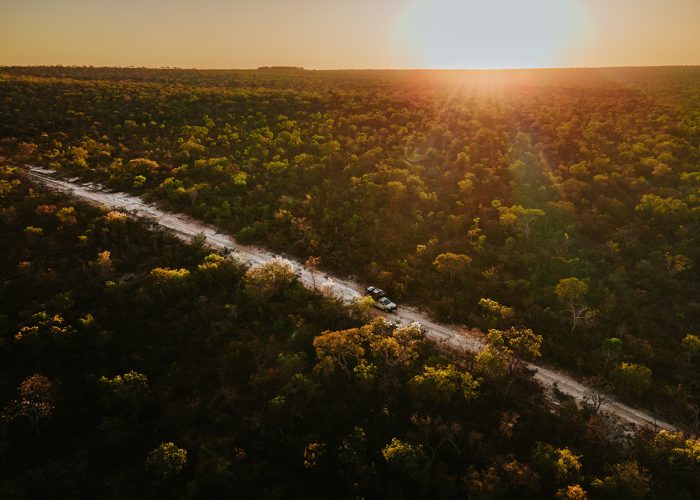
380	299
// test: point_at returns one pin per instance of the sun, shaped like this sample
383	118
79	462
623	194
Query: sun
490	34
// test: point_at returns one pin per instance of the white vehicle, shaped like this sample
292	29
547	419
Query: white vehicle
380	299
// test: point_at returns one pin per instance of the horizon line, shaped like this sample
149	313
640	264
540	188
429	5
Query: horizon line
302	68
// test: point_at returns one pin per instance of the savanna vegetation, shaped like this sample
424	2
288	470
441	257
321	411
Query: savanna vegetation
567	197
136	366
560	202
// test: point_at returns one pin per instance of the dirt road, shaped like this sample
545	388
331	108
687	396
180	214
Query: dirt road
451	335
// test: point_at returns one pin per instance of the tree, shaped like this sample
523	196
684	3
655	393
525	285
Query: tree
676	264
312	263
627	480
143	166
37	395
660	207
44	325
635	378
687	457
521	217
211	262
139	180
495	313
572	492
484	484
313	452
361	307
399	347
506	478
571	293
266	280
492	362
164	275
34	231
452	264
691	344
102	265
339	349
611	349
681	454
559	464
438	384
597	395
515	344
26	151
127	391
167	460
169	280
353	446
67	216
192	148
404	455
116	217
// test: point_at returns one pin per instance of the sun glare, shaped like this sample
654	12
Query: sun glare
490	34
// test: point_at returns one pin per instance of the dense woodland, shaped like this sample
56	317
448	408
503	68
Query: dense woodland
136	366
562	201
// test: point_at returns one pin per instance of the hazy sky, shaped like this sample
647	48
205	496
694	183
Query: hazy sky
350	33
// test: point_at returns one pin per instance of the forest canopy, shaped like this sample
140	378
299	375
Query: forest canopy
136	366
563	202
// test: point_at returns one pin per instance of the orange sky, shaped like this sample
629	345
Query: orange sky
350	34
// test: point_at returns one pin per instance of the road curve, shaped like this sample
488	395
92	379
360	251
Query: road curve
450	335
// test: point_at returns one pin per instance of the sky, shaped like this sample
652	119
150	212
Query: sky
331	34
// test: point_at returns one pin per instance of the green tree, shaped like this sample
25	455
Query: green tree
611	349
681	454
439	384
520	217
361	307
353	447
495	313
515	345
404	455
165	275
632	377
128	391
492	362
170	281
139	180
67	216
559	464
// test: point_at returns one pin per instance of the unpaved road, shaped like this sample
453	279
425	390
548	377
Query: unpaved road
453	336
